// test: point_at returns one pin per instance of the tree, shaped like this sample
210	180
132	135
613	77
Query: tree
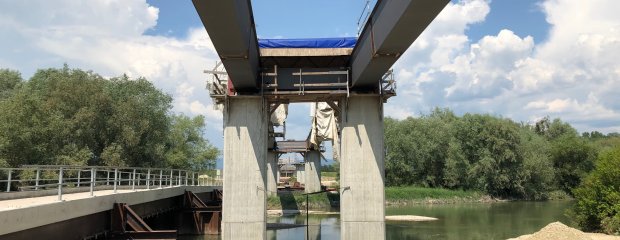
538	170
397	166
186	146
598	198
489	154
137	121
491	147
75	117
553	129
572	159
9	81
416	149
47	117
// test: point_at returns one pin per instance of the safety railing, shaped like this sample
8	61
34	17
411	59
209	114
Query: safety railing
93	178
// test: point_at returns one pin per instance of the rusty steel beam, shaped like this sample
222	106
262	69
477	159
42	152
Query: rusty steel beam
126	224
197	217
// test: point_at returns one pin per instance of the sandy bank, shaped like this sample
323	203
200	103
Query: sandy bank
558	231
409	218
277	212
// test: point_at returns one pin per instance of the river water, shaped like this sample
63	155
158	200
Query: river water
456	221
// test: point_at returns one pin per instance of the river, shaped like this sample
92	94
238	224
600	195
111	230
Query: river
456	221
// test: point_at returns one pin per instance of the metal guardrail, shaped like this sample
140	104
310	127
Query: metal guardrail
46	177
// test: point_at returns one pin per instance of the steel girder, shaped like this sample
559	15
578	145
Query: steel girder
391	28
230	24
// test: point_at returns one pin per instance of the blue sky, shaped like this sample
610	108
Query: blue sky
298	19
521	59
523	17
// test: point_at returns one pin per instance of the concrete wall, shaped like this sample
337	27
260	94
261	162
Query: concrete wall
362	198
245	169
312	172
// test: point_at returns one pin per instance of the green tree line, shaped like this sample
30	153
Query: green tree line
75	117
490	154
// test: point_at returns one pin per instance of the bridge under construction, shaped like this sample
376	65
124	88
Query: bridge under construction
351	76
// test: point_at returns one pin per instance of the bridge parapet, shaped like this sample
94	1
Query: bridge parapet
44	180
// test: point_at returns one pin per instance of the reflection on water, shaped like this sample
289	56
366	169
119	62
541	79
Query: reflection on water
456	221
476	221
320	227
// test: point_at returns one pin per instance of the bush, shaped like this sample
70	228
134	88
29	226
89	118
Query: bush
611	225
292	180
598	197
558	195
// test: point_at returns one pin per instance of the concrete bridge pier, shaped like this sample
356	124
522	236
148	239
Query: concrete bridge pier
272	169
312	170
362	205
245	168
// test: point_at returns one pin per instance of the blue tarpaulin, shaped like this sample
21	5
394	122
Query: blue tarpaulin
344	42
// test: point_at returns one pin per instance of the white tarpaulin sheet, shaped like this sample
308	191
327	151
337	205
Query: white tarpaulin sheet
324	125
278	117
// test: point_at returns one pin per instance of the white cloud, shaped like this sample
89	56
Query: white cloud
572	75
554	106
420	80
483	72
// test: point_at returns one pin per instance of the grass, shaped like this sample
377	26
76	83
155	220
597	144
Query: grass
410	194
393	195
329	174
559	195
297	201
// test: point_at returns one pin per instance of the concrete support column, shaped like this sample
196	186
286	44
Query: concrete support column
362	198
300	174
313	171
272	169
245	169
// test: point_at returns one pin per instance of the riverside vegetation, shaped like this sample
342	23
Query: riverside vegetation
75	117
505	159
393	196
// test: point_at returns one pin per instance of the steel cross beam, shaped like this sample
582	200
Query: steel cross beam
230	24
391	28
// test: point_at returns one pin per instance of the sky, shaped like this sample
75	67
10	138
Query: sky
521	59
